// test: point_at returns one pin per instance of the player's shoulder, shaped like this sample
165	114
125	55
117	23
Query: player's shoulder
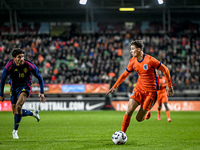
9	64
132	60
149	56
29	63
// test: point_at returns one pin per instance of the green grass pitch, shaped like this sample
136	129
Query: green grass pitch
92	130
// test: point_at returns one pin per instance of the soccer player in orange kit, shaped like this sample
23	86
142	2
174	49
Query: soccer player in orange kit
145	91
162	96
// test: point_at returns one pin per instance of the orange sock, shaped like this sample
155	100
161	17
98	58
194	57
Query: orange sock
125	123
168	114
148	115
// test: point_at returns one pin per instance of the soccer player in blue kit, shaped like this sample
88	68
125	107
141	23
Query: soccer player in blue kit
20	70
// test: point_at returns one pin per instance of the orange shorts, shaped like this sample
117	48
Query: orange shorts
162	98
144	98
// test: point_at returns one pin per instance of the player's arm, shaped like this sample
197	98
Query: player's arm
37	74
166	72
3	79
119	81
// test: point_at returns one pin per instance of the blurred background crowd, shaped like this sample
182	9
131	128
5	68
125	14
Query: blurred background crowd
96	58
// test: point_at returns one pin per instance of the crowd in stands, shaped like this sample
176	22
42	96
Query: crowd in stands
181	54
96	58
77	59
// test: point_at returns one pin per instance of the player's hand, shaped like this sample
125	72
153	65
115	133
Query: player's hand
42	97
2	98
170	91
111	90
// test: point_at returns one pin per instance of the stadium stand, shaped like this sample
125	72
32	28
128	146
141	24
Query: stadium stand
70	60
73	59
102	57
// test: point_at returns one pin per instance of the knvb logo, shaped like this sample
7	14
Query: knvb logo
145	66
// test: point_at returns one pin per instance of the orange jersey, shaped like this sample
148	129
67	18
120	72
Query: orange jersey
145	68
162	84
162	94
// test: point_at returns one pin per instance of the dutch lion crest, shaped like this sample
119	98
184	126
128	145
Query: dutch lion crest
145	66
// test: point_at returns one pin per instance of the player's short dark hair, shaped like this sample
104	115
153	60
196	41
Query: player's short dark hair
138	44
17	51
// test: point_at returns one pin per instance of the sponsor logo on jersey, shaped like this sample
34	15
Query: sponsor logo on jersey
16	69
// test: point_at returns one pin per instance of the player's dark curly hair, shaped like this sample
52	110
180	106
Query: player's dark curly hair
17	51
138	44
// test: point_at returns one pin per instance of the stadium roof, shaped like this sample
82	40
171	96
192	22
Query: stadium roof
102	10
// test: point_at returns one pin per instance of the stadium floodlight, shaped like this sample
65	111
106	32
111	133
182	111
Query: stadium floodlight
82	2
126	9
160	2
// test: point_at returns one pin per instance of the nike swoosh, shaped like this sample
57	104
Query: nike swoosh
91	107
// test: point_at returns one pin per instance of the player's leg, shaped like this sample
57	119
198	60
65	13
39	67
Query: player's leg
18	109
13	109
35	114
14	133
13	101
141	114
167	112
159	100
146	105
132	105
25	112
159	109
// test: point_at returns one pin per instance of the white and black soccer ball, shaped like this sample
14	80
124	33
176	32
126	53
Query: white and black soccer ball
119	137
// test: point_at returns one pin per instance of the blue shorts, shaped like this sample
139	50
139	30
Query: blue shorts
15	92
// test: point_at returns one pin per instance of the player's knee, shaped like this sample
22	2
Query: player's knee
129	113
166	107
18	108
139	119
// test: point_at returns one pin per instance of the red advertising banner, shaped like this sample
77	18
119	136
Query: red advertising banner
173	106
5	106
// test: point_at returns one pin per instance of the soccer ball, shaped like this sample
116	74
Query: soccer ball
119	137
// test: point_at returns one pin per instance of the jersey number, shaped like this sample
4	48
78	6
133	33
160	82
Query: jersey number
21	75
